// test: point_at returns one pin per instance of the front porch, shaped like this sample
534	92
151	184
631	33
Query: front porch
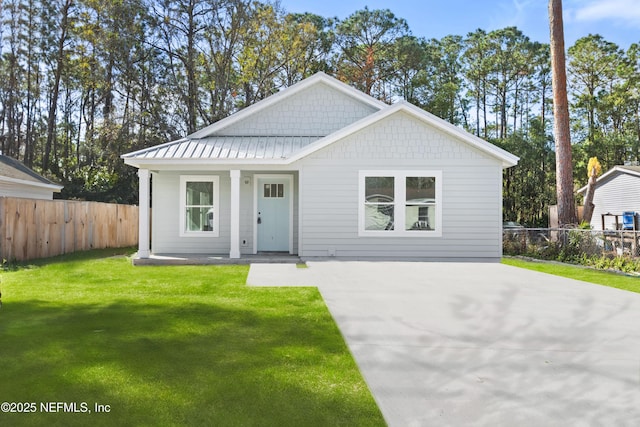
249	214
218	259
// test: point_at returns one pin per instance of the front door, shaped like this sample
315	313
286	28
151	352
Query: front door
273	219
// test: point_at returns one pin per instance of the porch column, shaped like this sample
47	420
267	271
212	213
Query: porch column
235	214
143	213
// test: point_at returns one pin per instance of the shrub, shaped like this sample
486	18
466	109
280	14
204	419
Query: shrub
571	246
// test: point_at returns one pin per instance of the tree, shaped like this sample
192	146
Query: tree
440	84
510	54
475	59
305	46
593	170
64	10
599	96
366	42
410	67
561	126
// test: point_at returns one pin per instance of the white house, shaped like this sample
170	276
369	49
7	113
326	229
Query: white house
321	169
617	191
17	180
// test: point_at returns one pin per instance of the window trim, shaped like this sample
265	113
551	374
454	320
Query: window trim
183	205
400	202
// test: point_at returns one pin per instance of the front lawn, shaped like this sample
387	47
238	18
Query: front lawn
171	346
590	275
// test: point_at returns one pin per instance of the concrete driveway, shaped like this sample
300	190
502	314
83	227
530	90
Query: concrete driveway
455	344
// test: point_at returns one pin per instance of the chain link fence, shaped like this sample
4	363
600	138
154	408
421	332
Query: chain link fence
555	243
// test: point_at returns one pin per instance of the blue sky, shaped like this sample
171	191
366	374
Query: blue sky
617	21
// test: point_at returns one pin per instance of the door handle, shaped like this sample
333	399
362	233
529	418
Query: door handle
259	218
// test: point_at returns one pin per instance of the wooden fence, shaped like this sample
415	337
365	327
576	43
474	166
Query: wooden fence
31	228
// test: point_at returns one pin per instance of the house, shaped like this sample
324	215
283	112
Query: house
321	169
617	191
17	180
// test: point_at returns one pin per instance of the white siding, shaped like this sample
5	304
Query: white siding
472	202
618	194
317	111
24	191
165	224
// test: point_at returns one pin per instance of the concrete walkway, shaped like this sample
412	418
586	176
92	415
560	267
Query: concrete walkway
456	344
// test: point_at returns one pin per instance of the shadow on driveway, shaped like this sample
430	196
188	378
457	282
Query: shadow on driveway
481	344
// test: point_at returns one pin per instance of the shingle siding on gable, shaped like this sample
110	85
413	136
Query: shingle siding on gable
472	188
411	139
618	194
317	111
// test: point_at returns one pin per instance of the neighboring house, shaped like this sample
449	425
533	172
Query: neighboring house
321	169
617	191
17	180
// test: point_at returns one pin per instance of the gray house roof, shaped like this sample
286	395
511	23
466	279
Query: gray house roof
228	148
12	170
612	173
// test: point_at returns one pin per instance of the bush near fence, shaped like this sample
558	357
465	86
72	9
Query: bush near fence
609	249
31	228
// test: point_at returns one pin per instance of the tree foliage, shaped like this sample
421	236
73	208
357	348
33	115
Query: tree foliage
84	81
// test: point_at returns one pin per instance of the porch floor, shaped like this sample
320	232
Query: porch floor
212	259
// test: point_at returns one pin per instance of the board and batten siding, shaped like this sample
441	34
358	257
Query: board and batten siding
620	193
317	111
472	194
165	229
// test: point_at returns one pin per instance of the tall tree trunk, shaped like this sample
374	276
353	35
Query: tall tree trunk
53	100
588	199
561	129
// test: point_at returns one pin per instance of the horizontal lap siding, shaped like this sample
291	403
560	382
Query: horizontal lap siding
471	200
11	189
166	223
616	195
166	204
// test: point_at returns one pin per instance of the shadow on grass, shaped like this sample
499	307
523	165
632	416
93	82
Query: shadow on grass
180	363
70	257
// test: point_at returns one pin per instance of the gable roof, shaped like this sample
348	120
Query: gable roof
206	148
612	173
14	171
287	93
505	157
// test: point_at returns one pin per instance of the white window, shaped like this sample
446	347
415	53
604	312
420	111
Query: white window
400	203
273	191
199	211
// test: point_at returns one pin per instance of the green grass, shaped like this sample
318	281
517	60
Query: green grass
172	346
590	275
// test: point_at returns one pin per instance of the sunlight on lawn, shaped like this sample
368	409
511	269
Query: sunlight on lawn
173	345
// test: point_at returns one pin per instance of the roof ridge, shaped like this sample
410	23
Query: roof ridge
253	136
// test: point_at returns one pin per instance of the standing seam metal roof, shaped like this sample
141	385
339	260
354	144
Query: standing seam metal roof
229	147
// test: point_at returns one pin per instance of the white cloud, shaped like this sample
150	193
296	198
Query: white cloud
627	11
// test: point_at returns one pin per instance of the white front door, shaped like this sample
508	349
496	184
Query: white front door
273	213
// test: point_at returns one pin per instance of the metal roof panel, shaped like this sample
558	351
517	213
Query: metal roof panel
229	147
